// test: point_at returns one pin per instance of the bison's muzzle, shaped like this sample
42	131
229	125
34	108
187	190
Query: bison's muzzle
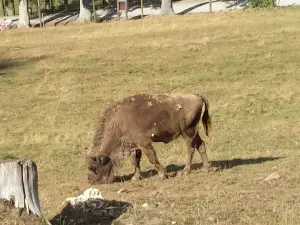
100	170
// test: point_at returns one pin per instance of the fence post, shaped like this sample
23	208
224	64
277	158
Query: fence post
94	10
39	12
118	9
126	9
122	5
142	9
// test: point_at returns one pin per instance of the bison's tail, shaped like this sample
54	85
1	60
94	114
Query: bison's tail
206	119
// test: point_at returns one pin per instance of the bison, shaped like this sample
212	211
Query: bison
131	125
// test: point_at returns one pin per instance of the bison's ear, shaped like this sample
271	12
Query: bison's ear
104	160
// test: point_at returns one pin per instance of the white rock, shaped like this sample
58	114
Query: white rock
145	205
211	219
122	190
272	176
87	194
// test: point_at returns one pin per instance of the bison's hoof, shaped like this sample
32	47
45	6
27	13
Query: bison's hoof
205	169
136	178
162	176
186	171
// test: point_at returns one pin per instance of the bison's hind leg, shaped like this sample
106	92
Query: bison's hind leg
136	163
199	144
188	136
193	141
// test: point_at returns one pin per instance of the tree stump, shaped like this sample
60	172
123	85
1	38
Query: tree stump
19	184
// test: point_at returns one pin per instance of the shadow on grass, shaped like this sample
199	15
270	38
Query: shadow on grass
61	16
138	17
225	164
9	63
236	3
219	165
91	212
193	7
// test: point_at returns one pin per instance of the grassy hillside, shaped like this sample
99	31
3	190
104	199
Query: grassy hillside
54	83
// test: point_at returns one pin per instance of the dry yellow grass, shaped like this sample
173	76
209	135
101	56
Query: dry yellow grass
55	82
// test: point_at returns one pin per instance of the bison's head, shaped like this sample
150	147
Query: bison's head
100	169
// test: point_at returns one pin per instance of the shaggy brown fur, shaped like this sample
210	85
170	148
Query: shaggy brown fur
129	127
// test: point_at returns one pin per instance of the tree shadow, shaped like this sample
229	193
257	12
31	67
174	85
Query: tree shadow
108	16
61	16
138	17
136	4
3	73
218	165
236	3
60	12
91	212
73	6
66	18
6	64
194	7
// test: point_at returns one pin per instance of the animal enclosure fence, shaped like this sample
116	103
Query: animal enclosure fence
65	7
11	7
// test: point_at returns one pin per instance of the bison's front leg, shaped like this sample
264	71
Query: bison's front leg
151	154
136	162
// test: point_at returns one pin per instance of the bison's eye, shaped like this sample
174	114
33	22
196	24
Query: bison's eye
93	169
93	158
104	160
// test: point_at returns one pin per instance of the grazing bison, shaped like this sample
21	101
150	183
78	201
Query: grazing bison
130	126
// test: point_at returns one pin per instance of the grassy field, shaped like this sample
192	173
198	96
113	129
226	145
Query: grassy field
54	83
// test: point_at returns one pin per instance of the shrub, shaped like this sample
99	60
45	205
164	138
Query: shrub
261	3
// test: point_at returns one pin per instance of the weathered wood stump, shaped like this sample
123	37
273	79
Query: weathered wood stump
19	184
